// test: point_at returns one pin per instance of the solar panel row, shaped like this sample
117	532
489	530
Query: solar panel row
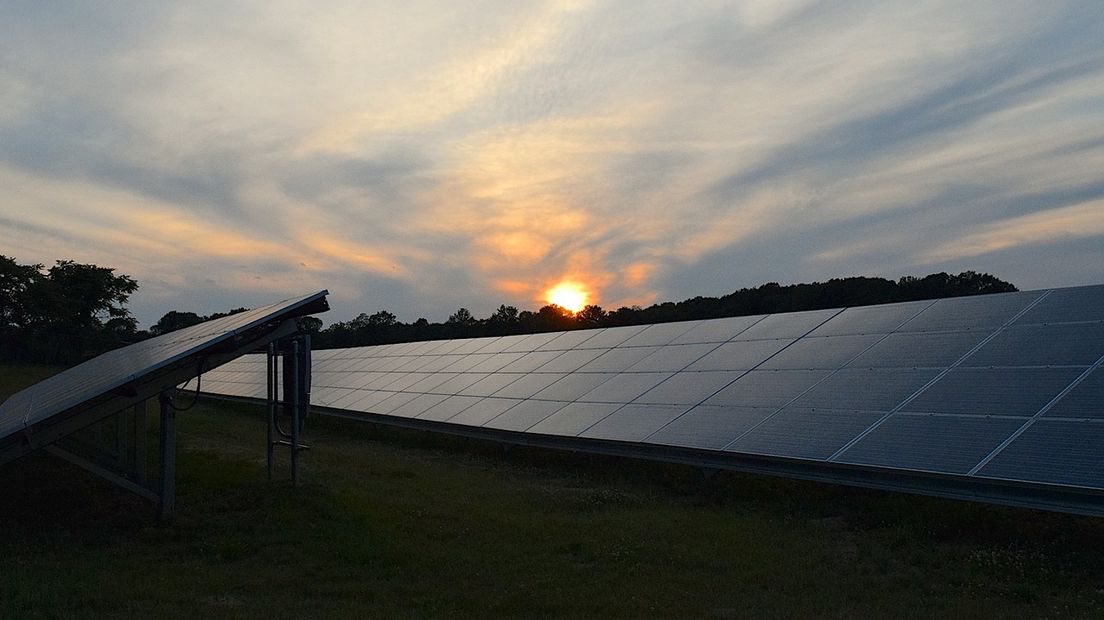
998	387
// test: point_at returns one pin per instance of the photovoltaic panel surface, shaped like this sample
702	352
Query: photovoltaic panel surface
998	391
114	370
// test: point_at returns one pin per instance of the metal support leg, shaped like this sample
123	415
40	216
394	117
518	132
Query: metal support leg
273	396
295	406
138	441
122	452
168	457
288	395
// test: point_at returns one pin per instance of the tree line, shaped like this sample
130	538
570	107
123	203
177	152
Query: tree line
383	328
72	311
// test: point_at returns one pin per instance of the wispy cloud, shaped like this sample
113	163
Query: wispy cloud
421	156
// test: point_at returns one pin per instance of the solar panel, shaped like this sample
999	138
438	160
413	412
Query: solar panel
937	443
710	427
804	432
574	418
43	415
483	411
1060	452
767	388
525	414
633	422
994	397
1083	401
120	369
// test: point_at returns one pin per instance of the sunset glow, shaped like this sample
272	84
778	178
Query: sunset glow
569	295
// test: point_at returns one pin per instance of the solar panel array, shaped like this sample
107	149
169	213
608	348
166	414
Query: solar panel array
997	387
114	369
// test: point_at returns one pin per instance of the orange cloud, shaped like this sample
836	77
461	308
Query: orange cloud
516	288
341	251
177	232
520	246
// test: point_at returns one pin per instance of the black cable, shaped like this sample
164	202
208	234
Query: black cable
199	383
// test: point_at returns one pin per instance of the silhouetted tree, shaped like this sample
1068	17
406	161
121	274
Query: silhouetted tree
219	315
174	320
15	282
360	322
505	315
552	318
590	316
310	324
946	285
382	318
84	296
64	313
463	316
623	316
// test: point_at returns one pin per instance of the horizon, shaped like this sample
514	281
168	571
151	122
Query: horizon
329	313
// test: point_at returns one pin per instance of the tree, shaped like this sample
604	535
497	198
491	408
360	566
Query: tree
83	296
219	315
174	320
554	318
382	318
625	315
15	281
360	323
947	285
463	316
505	315
590	316
62	314
68	295
310	324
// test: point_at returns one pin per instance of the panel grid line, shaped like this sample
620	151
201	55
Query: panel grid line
689	364
1035	418
455	414
822	379
743	374
936	379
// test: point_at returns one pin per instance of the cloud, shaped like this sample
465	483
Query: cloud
1080	221
419	157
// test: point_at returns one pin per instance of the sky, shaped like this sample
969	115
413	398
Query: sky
421	156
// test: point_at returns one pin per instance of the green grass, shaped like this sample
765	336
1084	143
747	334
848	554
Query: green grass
394	523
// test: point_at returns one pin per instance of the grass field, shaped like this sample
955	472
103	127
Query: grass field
395	523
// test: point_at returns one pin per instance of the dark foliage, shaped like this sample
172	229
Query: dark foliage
174	320
62	314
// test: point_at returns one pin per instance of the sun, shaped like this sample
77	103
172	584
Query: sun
568	295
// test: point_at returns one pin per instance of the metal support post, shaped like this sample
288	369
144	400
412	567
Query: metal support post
122	451
288	398
297	403
273	407
138	442
168	457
